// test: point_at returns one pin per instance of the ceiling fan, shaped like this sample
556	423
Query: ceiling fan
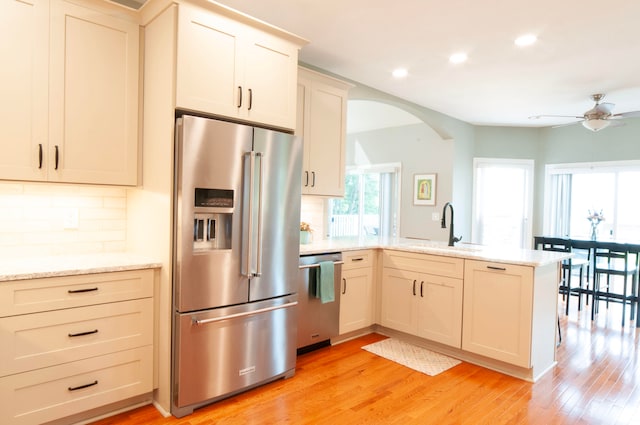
598	117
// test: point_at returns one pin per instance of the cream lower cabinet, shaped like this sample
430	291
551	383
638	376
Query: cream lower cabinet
498	311
322	120
72	344
356	290
422	295
71	95
226	67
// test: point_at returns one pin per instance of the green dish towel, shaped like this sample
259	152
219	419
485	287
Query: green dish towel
323	282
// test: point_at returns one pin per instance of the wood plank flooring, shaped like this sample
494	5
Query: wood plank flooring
597	381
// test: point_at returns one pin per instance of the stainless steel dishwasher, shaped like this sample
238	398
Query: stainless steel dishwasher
317	322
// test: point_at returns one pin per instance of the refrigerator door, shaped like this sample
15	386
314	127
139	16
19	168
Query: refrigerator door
277	231
208	213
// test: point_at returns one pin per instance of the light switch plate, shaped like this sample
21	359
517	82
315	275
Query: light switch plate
70	218
435	216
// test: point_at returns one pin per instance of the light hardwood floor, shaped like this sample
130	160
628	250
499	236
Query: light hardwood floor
597	381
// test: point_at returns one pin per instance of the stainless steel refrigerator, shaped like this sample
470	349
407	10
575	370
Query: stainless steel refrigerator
235	259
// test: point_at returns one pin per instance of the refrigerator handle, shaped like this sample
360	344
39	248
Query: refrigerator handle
254	227
248	225
259	157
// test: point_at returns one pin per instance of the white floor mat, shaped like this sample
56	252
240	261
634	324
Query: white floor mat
412	356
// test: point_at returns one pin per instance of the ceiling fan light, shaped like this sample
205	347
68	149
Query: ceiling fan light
595	124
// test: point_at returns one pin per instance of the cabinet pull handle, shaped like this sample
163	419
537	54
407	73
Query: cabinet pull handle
344	291
239	96
313	179
78	291
95	331
79	387
421	285
40	155
57	157
357	259
414	288
250	99
306	183
496	268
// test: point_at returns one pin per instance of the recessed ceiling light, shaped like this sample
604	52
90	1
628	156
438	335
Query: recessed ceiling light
526	40
400	73
458	57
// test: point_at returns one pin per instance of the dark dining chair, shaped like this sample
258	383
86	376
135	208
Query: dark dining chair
566	285
583	251
615	277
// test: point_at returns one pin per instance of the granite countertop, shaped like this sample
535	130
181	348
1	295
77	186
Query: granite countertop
68	265
525	257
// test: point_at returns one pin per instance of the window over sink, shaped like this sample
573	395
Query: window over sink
370	205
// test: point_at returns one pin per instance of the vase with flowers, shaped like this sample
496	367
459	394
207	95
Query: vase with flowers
595	218
305	233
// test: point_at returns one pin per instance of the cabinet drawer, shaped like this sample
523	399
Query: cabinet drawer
45	339
425	263
55	392
357	259
36	295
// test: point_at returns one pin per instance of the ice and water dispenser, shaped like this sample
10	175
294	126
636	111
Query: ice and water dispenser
212	220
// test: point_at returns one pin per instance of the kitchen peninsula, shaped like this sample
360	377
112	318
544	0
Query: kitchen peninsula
490	306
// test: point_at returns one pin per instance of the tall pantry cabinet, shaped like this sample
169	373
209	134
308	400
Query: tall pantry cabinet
73	85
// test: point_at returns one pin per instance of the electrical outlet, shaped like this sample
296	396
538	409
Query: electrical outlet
70	218
435	216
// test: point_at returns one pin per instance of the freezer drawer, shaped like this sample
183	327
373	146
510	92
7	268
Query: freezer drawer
222	351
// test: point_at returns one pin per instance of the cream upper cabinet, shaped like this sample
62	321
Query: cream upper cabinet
356	290
227	68
321	121
498	307
71	105
24	29
93	96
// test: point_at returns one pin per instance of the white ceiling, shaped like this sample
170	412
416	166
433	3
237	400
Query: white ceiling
584	47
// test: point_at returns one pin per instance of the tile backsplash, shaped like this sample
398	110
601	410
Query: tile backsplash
313	211
57	219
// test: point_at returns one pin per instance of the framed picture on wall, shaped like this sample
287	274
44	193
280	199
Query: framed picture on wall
424	189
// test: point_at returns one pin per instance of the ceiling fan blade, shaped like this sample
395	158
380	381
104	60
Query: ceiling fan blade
630	114
615	123
536	117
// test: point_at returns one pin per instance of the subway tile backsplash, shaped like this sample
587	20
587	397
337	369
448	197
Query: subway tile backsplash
57	219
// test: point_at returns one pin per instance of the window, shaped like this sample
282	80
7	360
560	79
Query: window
370	204
502	202
572	190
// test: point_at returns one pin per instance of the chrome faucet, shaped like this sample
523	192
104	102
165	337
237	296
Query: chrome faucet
443	223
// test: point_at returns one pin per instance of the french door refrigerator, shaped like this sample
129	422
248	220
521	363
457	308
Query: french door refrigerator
235	259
